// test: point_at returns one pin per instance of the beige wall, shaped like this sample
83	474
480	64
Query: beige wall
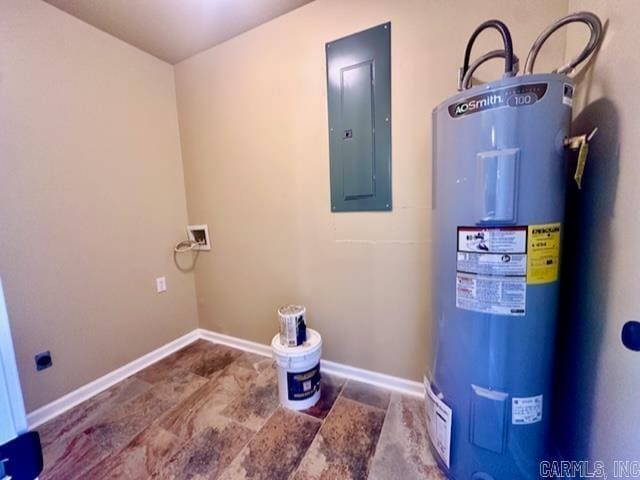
599	383
91	199
253	125
92	194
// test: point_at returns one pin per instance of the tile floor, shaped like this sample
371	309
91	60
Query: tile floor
210	411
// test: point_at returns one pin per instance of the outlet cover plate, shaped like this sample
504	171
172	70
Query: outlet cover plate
161	284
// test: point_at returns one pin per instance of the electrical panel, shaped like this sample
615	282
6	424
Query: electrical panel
359	103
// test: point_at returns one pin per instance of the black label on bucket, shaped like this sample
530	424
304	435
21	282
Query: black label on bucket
301	334
518	96
302	385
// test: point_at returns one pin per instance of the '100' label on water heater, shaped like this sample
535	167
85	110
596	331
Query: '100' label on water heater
491	270
516	96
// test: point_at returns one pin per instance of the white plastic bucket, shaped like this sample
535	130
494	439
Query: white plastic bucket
298	371
292	325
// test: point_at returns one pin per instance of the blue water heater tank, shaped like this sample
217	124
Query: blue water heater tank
499	181
499	176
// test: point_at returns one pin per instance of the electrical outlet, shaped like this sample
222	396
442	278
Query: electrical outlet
161	284
43	360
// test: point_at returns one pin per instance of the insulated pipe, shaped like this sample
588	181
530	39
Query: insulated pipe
588	18
506	39
466	80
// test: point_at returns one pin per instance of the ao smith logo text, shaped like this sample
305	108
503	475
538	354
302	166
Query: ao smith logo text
517	96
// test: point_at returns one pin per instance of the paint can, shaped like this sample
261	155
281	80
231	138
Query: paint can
298	371
293	327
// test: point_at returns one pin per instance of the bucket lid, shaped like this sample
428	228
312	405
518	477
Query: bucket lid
314	342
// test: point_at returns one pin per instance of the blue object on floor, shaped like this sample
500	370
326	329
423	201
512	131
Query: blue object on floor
22	457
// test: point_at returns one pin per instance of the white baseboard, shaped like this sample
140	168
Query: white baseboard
397	384
402	385
235	342
70	400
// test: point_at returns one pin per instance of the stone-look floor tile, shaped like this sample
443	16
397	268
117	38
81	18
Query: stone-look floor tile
257	402
63	439
345	445
330	388
79	417
276	450
207	454
403	449
177	362
178	387
169	421
70	460
368	394
253	361
214	360
143	457
202	408
116	430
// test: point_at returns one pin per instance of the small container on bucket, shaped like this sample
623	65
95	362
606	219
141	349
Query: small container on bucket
298	371
293	328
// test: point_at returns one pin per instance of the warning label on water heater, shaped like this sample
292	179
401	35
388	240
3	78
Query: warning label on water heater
498	295
492	239
544	253
492	270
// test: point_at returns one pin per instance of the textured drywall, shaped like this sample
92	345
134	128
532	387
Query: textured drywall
253	125
91	199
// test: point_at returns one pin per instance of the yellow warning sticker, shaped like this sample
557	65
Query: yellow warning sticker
543	253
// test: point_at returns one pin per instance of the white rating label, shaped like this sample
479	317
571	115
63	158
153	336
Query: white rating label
439	420
526	410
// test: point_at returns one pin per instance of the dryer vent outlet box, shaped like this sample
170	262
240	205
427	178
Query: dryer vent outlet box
200	235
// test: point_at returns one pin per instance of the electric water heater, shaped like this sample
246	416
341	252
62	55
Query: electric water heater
500	172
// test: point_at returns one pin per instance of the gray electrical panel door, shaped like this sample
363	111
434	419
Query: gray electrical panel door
359	98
